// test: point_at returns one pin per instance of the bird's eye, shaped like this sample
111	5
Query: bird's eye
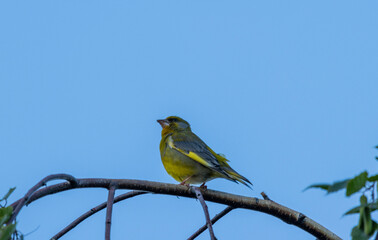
172	120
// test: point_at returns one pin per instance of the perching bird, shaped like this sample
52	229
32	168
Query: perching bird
188	159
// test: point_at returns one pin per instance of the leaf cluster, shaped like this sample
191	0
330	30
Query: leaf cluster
7	230
365	185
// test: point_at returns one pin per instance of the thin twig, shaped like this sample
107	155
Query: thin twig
213	221
109	210
23	201
270	207
265	196
199	196
94	210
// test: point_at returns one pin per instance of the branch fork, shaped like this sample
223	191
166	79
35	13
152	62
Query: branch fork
232	201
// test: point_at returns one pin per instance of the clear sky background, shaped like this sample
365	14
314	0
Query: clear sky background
287	90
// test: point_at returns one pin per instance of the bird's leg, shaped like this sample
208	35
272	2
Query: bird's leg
186	179
203	186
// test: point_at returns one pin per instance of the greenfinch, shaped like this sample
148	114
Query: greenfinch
188	159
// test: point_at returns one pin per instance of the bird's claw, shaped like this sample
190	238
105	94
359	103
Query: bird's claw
203	186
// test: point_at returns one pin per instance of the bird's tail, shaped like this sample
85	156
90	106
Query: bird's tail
234	176
230	173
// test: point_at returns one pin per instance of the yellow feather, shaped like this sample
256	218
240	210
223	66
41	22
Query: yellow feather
192	155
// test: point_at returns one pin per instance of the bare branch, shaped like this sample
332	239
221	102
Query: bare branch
199	196
109	210
22	201
214	220
286	214
264	196
95	210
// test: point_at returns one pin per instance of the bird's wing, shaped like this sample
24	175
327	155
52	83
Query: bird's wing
193	147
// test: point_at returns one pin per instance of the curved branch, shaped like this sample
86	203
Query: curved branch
94	210
23	201
214	220
266	206
219	216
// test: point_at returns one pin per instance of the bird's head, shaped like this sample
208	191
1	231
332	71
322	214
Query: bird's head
173	123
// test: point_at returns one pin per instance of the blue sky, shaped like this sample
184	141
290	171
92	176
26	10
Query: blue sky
287	90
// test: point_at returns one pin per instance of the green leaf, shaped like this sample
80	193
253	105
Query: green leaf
363	200
8	194
330	188
321	186
5	214
356	183
358	234
336	186
375	227
371	206
373	178
368	223
7	231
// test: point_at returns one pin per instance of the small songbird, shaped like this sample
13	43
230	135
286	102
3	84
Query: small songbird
188	159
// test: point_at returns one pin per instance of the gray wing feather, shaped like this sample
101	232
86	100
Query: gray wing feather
200	148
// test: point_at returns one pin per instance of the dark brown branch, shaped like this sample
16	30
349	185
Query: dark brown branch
213	221
95	210
109	210
199	196
286	214
23	201
264	196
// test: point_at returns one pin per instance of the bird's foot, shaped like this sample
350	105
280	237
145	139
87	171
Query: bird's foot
185	180
184	184
203	186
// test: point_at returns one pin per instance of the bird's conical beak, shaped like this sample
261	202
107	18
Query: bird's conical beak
163	122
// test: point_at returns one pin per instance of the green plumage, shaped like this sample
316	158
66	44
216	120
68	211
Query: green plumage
188	159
